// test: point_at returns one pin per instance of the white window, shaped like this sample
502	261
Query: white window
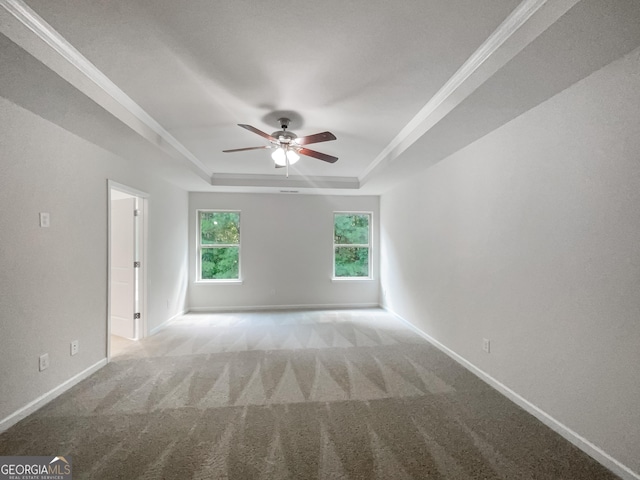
351	245
218	245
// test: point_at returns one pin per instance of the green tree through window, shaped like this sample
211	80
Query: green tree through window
352	244
219	245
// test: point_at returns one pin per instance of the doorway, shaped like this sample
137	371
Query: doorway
126	322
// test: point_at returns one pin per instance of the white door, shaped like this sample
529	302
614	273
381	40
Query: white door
123	273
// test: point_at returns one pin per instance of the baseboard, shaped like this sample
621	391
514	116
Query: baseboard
166	323
582	443
42	400
252	308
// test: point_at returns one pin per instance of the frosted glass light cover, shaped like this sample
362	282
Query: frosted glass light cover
292	156
279	157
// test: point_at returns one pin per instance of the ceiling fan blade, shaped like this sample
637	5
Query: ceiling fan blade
320	156
247	148
259	132
317	138
280	166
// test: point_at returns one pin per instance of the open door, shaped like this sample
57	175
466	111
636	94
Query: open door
126	317
123	271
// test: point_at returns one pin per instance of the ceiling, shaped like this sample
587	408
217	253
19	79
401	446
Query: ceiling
401	84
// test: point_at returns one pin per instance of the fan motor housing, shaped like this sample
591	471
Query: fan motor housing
284	136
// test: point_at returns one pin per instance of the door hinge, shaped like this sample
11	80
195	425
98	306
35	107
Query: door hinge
136	212
136	264
136	316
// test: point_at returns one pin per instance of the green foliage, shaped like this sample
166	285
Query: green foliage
220	228
352	262
220	263
350	229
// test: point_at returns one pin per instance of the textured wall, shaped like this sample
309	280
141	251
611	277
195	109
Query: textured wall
531	237
287	255
53	281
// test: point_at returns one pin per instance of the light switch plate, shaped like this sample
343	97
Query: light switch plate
44	361
45	220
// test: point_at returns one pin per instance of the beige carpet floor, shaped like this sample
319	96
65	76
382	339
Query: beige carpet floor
349	394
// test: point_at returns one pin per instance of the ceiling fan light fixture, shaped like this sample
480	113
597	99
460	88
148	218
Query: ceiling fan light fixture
280	156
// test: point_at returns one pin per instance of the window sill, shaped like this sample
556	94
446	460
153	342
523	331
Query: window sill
219	282
352	279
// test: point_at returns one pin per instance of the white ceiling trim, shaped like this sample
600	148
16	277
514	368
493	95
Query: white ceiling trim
45	32
467	79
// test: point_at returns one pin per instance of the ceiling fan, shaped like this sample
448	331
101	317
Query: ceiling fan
288	146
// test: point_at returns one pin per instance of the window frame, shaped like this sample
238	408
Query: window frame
367	245
200	246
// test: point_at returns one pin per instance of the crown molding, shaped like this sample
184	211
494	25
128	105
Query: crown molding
500	47
136	117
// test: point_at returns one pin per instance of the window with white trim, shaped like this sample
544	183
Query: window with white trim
351	245
218	245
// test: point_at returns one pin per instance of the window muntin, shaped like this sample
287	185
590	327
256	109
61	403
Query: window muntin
351	245
218	245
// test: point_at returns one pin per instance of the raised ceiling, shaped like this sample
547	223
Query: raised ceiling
401	84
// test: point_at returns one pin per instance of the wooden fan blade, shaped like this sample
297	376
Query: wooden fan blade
259	132
247	148
317	138
320	156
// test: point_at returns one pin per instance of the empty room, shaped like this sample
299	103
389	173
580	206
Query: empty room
332	240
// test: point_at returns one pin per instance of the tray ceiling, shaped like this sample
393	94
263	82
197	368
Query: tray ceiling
384	77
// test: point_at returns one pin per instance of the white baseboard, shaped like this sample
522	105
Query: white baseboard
166	323
579	441
31	407
252	308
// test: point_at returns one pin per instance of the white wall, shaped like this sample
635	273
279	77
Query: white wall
287	252
531	237
53	281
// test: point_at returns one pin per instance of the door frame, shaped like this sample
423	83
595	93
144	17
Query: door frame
142	245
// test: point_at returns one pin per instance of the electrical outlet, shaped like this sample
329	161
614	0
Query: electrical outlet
75	345
44	361
486	345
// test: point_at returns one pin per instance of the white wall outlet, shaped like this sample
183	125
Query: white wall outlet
45	220
486	345
75	345
44	361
